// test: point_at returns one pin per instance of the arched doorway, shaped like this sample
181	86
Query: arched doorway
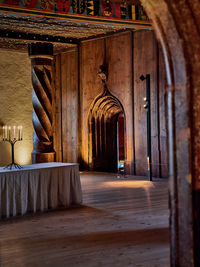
180	39
106	134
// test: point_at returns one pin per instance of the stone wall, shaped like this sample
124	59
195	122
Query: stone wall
16	104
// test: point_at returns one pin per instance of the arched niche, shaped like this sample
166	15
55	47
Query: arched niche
105	115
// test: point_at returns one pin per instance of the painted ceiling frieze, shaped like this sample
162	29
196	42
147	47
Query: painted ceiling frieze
96	11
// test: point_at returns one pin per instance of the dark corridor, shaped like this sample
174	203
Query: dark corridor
106	134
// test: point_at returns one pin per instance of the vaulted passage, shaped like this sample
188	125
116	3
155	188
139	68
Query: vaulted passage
106	123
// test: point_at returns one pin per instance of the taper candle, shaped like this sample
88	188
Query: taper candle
3	132
9	132
14	127
18	132
6	132
21	132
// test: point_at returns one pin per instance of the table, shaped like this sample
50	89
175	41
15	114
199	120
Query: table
39	187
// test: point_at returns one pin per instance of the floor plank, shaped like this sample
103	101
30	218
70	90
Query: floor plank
123	222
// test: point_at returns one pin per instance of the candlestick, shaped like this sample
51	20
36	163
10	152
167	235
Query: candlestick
7	136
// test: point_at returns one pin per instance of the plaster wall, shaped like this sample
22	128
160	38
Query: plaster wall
16	104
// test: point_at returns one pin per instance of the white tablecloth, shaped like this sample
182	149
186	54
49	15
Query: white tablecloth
39	187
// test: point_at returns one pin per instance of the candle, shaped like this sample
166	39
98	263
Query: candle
3	132
14	127
9	132
21	132
18	132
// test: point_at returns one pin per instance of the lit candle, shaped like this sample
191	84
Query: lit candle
3	132
18	132
21	132
14	127
9	132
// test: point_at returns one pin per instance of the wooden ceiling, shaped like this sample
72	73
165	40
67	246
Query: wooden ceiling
55	27
17	30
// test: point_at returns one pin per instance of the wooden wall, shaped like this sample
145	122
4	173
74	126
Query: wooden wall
128	56
66	107
162	112
148	59
119	59
91	57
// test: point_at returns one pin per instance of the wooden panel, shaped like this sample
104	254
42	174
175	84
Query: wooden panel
69	106
120	85
140	123
163	115
145	62
57	107
152	67
120	81
91	57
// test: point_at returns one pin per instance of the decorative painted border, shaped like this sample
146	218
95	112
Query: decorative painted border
73	17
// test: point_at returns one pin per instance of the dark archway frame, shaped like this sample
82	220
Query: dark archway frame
177	26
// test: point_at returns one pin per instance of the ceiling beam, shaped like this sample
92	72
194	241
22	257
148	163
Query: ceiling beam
36	37
104	35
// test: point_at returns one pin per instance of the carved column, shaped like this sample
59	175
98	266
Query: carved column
41	55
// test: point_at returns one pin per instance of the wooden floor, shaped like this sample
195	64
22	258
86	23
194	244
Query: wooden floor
124	222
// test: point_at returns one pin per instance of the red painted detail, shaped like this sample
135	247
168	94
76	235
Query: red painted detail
63	5
30	3
107	8
47	4
12	2
118	11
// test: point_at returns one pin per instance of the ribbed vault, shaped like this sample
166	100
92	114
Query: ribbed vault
102	122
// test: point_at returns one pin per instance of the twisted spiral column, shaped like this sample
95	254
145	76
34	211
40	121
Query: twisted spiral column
41	55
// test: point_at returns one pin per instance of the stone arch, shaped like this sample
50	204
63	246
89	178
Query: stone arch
102	128
177	26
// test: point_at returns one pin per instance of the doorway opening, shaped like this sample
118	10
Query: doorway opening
106	123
